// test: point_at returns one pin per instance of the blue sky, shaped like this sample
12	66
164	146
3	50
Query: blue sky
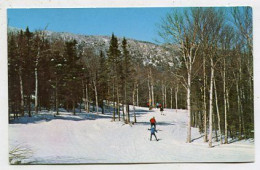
136	23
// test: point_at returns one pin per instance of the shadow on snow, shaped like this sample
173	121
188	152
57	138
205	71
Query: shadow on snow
62	116
157	124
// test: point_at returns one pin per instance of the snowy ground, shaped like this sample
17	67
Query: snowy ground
91	138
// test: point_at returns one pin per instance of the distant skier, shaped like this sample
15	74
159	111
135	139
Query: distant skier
153	122
157	105
153	133
161	110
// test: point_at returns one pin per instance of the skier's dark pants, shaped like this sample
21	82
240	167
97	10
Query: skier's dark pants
153	124
154	136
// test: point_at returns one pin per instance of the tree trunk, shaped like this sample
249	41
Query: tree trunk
21	91
149	92
36	80
29	105
225	101
171	97
165	97
103	107
211	102
83	95
215	128
204	99
216	100
188	106
242	114
228	105
117	103
80	106
114	107
128	113
137	95
123	106
238	110
176	97
73	107
152	93
36	87
134	104
86	100
241	98
96	95
125	102
56	96
163	102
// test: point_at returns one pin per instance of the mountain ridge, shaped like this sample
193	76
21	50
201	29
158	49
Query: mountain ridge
147	52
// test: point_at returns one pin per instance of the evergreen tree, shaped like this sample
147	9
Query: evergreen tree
21	65
72	78
127	73
14	97
113	64
102	80
28	69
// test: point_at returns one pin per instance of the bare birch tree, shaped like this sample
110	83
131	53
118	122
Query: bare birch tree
181	28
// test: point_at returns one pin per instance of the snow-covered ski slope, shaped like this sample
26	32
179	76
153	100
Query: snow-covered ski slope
92	138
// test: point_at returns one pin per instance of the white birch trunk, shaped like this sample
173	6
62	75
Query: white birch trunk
225	100
211	102
176	97
216	100
228	105
149	90
163	96
152	93
188	106
125	103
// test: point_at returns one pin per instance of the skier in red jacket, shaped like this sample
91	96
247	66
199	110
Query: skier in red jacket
153	122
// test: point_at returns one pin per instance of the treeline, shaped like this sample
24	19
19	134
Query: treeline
216	69
52	74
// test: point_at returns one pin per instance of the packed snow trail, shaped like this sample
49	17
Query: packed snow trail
91	138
